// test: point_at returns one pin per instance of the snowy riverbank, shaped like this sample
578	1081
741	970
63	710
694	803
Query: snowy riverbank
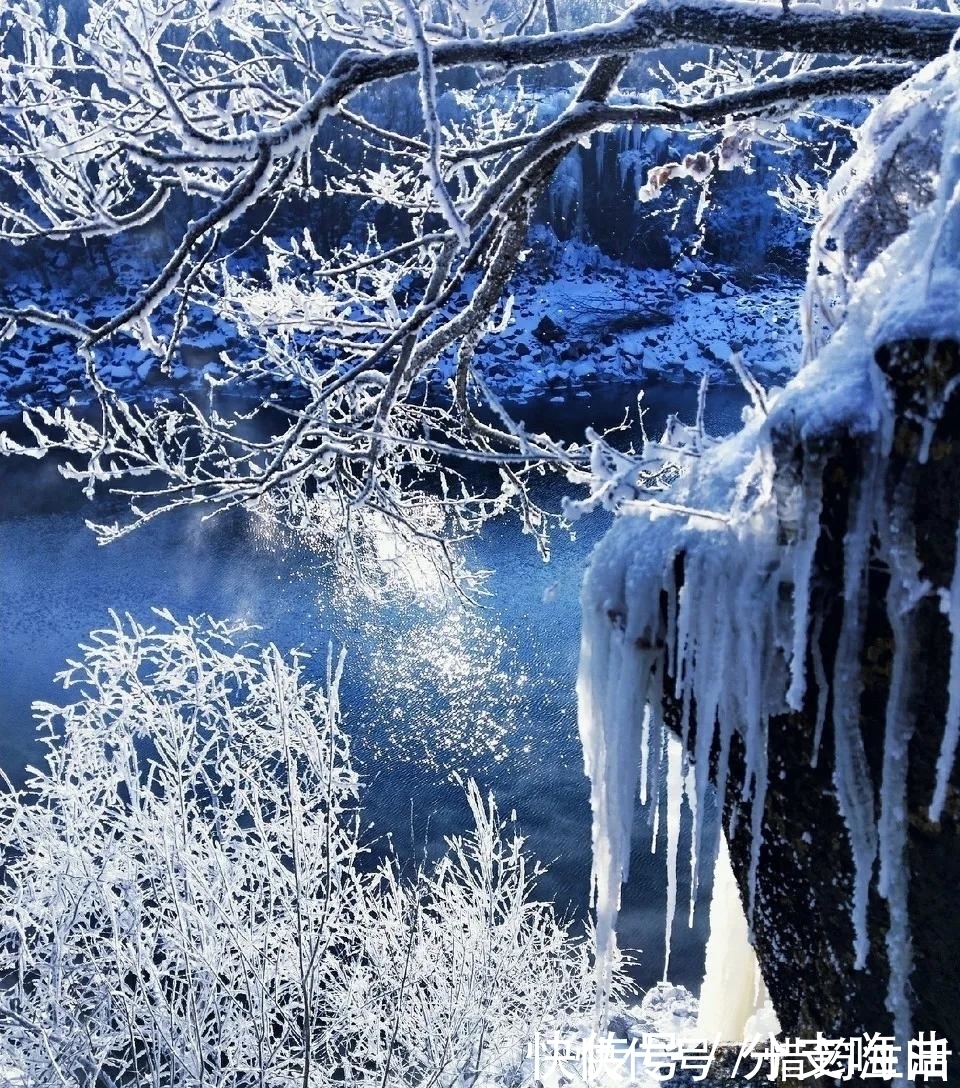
577	319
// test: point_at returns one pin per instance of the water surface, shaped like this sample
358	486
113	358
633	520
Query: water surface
484	690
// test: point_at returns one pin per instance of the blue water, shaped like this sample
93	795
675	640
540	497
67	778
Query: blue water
484	690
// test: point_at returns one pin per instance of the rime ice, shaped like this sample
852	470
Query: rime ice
733	638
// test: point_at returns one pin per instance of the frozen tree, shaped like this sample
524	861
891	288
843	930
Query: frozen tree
219	120
188	899
797	626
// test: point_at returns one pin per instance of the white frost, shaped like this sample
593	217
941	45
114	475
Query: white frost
738	638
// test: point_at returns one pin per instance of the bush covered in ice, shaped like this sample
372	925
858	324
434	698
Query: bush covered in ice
188	898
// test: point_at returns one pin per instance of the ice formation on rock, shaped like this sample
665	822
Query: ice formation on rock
734	1004
636	625
697	612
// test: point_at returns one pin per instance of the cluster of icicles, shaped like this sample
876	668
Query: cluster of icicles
714	638
737	636
735	646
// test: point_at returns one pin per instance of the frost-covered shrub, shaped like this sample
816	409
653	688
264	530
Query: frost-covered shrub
184	903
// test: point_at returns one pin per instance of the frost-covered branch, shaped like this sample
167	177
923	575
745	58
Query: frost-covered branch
222	130
431	122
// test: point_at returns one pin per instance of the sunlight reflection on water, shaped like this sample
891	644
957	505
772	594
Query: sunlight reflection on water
484	690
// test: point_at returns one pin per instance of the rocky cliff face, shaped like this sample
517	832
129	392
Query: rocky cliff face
804	932
808	658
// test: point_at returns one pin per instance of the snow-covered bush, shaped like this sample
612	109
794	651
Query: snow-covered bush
187	899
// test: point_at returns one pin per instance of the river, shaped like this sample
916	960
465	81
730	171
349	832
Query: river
484	690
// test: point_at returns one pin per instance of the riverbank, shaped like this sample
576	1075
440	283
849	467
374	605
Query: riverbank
578	321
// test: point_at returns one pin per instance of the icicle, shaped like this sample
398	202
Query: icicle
855	793
951	727
683	673
755	603
758	801
656	739
671	639
645	756
710	678
613	681
655	815
596	653
905	589
709	849
892	829
803	554
674	798
567	187
690	792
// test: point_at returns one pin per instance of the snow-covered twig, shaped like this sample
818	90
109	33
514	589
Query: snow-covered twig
431	122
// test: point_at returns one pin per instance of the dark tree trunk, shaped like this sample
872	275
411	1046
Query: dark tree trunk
802	925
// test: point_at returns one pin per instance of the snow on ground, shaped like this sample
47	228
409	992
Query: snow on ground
579	319
589	320
594	320
657	1041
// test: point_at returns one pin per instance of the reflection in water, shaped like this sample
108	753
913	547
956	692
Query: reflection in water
474	675
485	690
